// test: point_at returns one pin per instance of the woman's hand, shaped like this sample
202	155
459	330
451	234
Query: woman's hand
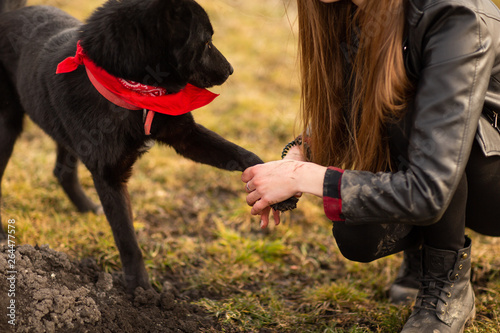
274	182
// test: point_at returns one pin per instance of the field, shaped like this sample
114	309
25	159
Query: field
192	221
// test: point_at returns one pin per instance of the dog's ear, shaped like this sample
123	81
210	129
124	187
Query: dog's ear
165	2
172	12
174	17
170	6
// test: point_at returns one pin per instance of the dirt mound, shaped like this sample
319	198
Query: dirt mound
45	291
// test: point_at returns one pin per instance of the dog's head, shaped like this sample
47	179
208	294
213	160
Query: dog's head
166	43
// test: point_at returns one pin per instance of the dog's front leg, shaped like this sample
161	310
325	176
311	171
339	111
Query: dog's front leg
204	146
116	204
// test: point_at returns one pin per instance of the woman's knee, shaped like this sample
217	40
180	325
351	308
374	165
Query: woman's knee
354	253
365	243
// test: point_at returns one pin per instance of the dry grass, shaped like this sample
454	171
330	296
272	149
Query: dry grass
192	221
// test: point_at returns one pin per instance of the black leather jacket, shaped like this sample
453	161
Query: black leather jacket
452	53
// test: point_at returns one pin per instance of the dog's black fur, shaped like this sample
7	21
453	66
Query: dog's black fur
156	42
7	5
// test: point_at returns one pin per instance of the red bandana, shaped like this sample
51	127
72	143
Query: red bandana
136	96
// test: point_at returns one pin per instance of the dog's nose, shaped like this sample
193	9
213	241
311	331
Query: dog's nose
231	69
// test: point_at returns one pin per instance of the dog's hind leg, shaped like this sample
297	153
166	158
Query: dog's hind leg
66	172
11	125
116	204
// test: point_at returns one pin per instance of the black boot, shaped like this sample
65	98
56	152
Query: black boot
445	302
405	288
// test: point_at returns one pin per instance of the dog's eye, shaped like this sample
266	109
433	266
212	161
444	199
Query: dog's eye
209	44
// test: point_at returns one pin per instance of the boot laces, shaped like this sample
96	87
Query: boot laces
431	288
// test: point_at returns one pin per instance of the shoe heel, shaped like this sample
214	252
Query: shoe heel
472	316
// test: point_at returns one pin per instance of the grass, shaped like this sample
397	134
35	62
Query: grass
192	221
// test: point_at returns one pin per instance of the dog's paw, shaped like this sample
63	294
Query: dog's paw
288	204
144	297
98	210
89	207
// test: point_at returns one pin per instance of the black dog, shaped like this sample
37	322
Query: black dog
166	44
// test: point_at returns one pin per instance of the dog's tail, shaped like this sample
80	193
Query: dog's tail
8	5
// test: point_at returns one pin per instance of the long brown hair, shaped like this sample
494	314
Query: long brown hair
353	80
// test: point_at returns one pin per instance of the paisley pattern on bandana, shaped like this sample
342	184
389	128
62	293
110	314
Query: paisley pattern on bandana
143	89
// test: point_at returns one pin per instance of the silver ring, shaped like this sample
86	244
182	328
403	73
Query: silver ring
248	189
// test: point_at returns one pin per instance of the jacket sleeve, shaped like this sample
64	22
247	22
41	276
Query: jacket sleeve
457	56
332	201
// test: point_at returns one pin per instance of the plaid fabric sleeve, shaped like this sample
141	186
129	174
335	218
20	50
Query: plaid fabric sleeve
332	200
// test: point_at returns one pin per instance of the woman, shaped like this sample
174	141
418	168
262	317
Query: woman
399	102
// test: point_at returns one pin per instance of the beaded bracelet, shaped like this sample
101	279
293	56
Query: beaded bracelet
296	142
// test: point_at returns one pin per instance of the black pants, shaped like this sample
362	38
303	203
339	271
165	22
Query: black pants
476	205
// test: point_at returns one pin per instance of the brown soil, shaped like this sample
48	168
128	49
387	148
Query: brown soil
56	294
